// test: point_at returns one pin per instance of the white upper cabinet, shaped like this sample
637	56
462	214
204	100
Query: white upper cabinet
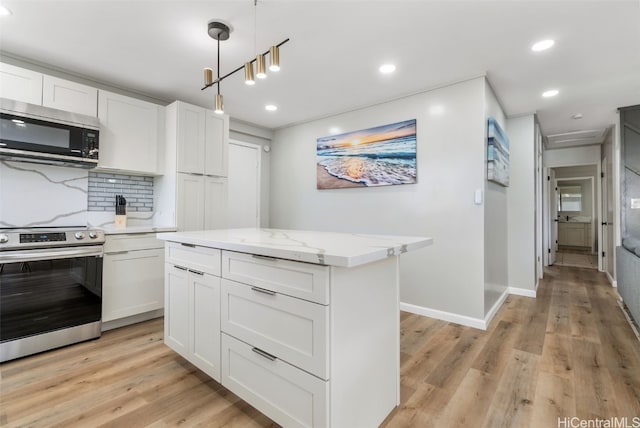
191	138
20	84
202	141
70	96
129	133
217	142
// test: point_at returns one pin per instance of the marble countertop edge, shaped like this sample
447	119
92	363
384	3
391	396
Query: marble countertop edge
327	248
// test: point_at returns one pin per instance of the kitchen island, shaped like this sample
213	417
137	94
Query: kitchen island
302	325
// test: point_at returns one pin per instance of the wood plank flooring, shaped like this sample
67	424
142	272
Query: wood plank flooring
568	353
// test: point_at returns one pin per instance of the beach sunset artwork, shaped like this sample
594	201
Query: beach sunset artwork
380	156
497	154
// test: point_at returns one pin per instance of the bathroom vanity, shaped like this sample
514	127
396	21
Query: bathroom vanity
302	325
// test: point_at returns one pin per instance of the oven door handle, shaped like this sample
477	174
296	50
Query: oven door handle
50	254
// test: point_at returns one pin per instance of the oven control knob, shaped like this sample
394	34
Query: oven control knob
4	239
79	235
93	235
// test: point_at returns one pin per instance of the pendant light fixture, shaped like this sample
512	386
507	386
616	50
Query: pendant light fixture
221	31
248	74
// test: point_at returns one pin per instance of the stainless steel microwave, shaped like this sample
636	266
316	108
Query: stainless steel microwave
37	134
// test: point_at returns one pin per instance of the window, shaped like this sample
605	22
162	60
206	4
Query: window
570	198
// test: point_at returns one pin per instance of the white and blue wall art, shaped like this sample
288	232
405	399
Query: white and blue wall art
497	154
379	156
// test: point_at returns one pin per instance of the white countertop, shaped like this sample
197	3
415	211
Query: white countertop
327	248
137	229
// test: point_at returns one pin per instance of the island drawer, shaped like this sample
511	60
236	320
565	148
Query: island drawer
294	330
284	393
201	259
303	280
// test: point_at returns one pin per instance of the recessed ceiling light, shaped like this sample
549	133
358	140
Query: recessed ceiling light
550	93
271	107
542	45
387	68
4	11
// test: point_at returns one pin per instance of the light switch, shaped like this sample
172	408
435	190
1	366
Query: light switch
478	197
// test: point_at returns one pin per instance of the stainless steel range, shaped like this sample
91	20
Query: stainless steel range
50	288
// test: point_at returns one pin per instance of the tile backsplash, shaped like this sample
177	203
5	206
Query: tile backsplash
137	190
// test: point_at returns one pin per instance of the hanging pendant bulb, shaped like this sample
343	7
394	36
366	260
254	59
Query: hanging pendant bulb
208	76
261	69
248	74
274	54
219	106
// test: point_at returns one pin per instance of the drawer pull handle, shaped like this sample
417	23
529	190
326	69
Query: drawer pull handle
264	291
264	354
179	267
256	256
115	253
188	245
196	272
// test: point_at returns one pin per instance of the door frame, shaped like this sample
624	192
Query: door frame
594	226
258	149
547	207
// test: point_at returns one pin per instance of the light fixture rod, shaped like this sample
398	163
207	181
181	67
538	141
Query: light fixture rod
220	79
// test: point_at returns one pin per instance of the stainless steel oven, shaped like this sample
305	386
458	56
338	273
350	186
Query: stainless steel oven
50	289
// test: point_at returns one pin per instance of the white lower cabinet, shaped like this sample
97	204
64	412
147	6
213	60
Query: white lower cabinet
303	362
132	280
281	391
192	315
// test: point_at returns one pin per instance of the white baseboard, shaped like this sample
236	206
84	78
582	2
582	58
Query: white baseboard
494	309
479	323
134	319
444	316
521	292
612	281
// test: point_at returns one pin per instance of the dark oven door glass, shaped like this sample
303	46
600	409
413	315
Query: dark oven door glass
39	296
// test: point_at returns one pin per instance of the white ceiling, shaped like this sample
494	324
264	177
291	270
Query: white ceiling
330	65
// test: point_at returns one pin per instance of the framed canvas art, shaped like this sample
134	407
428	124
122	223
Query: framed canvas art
497	154
379	156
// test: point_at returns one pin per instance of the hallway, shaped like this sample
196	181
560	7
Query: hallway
576	257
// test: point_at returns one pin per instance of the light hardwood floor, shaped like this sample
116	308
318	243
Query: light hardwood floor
568	353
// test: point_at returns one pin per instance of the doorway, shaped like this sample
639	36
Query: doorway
573	208
244	185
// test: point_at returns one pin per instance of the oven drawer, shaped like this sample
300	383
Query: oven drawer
304	280
284	393
198	258
292	329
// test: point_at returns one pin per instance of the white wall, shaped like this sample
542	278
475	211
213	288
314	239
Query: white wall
522	203
572	156
447	276
496	254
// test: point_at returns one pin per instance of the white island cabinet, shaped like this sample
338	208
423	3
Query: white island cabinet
302	325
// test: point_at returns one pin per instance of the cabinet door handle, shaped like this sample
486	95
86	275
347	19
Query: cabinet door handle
196	272
257	256
114	253
188	245
179	267
266	355
264	291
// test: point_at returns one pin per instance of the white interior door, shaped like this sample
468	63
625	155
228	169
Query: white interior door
553	217
244	185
